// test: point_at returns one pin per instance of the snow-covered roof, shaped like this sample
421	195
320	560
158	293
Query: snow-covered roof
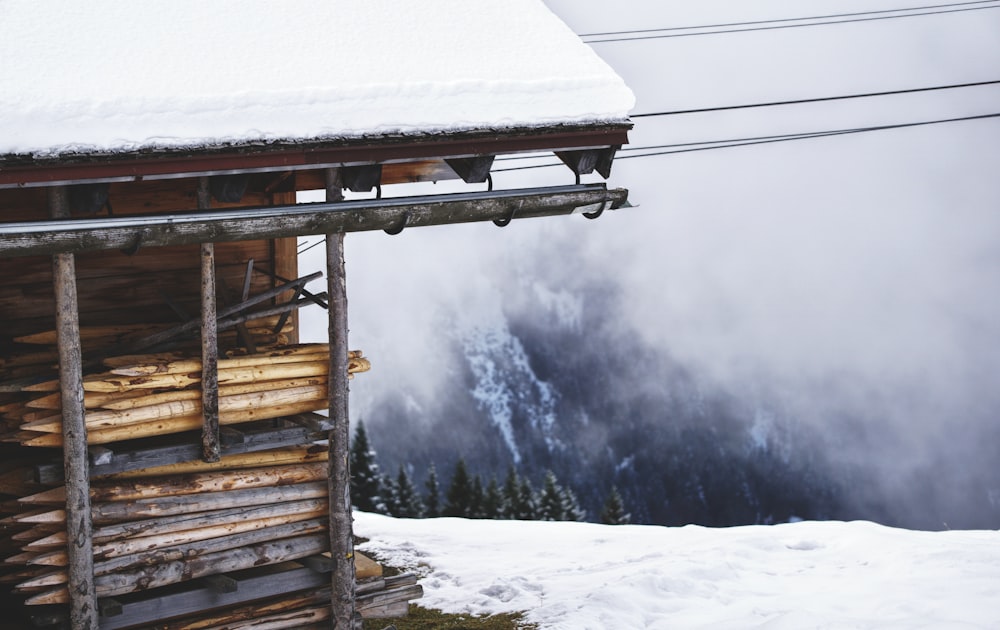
117	75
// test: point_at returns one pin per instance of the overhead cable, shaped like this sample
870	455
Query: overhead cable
692	31
742	142
816	100
777	21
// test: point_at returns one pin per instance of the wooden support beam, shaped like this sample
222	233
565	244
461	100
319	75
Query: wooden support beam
342	595
266	222
209	341
76	463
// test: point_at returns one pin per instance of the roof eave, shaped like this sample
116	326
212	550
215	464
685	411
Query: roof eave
32	171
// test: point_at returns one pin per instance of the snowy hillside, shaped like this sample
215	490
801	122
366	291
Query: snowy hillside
582	576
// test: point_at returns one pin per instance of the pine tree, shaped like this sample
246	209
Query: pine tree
365	490
390	496
476	498
571	510
550	506
511	494
432	502
459	497
492	500
525	508
613	512
408	503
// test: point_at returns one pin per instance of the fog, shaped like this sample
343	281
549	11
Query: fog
853	279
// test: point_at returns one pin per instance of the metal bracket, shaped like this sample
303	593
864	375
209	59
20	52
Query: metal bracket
506	221
402	225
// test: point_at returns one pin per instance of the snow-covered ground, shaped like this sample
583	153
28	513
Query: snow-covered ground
792	576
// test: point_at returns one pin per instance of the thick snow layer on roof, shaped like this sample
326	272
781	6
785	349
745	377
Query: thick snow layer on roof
121	75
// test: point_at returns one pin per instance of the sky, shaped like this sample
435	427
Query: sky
851	276
583	576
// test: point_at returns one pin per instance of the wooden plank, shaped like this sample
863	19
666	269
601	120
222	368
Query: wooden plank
148	608
149	535
183	570
192	483
275	529
174	363
180	424
118	511
261	443
379	605
256	609
173	530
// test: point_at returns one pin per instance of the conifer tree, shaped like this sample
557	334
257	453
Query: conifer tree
511	494
525	508
550	507
432	502
571	510
408	503
365	490
492	500
613	512
459	496
389	495
476	498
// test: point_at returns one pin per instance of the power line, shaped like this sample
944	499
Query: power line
786	26
777	21
775	103
742	142
537	156
816	100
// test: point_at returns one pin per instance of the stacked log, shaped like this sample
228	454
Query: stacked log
167	525
30	358
159	530
36	353
141	396
187	524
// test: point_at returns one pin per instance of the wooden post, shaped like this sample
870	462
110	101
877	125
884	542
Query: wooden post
341	529
209	342
79	526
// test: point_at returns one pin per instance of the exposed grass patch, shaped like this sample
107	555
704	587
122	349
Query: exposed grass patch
426	619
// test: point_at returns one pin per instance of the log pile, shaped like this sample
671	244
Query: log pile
187	522
173	524
159	530
36	354
242	542
139	396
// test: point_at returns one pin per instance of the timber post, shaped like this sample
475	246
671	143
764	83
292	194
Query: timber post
209	341
79	526
342	589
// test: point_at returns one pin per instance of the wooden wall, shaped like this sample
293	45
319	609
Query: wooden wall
117	287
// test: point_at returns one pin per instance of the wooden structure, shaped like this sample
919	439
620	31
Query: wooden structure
163	462
171	264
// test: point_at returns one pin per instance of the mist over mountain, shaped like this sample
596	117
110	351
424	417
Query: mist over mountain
555	378
805	329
